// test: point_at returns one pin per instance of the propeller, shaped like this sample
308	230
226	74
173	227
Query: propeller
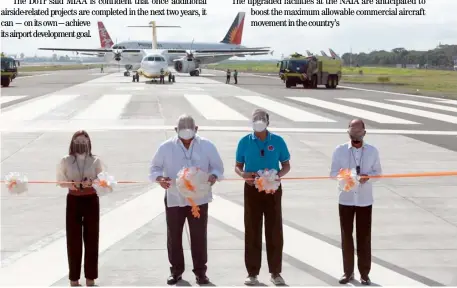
117	53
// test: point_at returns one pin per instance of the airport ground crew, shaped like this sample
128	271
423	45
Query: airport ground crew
235	76
101	69
162	76
228	77
256	151
81	167
136	77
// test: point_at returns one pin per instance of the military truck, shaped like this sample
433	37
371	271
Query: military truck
310	71
9	70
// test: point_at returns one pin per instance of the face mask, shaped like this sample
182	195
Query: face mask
259	126
186	134
80	148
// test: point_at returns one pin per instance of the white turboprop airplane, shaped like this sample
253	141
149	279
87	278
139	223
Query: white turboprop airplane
186	57
152	65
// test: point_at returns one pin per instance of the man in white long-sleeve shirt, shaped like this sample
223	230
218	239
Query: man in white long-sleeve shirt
186	150
356	154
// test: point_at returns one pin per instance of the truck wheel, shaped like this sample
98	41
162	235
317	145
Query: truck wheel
314	82
6	82
329	84
287	84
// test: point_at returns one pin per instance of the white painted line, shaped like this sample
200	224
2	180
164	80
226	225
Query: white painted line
107	107
114	226
130	88
453	102
360	89
426	105
185	89
407	110
28	76
213	109
364	114
71	127
284	110
233	215
6	99
36	108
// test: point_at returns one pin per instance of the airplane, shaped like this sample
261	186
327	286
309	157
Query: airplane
309	53
105	40
153	64
324	54
334	55
185	56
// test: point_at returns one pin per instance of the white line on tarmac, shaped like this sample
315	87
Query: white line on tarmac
107	107
453	102
213	109
407	110
6	99
426	105
28	76
360	89
314	252
67	127
49	265
352	111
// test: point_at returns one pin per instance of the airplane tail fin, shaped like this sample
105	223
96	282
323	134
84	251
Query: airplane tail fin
105	39
333	53
323	53
235	33
309	53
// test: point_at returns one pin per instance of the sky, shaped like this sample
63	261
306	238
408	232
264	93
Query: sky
359	33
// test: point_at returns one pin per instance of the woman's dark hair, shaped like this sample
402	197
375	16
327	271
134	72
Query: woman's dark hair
71	149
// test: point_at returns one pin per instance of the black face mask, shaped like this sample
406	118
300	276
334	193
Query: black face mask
80	148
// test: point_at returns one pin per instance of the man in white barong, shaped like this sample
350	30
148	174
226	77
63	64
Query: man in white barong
186	149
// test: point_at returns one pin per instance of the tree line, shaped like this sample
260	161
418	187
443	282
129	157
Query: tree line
442	56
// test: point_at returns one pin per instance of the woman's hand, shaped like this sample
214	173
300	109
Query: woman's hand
87	183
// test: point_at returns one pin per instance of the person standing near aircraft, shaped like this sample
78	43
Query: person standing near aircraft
357	203
83	207
162	76
228	77
256	151
235	76
186	149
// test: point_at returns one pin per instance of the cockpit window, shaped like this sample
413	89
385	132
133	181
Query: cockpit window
159	59
151	59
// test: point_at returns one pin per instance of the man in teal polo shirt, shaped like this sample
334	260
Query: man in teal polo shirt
258	151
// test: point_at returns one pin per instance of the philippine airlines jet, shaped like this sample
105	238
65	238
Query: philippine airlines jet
334	55
185	56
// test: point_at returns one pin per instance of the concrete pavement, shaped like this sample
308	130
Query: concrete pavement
414	229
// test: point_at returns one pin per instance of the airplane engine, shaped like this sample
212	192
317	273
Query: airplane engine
185	65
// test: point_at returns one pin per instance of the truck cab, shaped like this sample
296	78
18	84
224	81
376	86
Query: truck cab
9	70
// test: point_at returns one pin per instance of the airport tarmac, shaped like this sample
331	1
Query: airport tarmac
414	219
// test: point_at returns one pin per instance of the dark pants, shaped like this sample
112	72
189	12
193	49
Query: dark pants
82	225
162	79
363	236
236	79
228	80
176	217
256	205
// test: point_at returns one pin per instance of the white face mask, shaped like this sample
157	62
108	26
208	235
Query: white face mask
186	134
259	126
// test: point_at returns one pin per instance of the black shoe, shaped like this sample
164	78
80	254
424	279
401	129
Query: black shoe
345	279
173	279
203	280
365	281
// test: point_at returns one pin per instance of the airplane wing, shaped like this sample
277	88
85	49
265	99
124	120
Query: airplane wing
91	50
221	51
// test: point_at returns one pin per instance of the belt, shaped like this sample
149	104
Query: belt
84	192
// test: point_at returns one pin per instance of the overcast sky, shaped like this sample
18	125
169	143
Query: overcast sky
362	33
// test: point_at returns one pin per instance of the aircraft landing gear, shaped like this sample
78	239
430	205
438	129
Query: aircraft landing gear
195	73
126	73
171	78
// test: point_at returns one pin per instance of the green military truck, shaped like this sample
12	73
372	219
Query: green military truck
9	70
310	71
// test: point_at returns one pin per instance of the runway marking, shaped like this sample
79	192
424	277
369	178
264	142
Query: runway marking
130	88
107	107
28	76
213	109
48	265
376	117
407	110
71	127
34	109
426	105
185	89
453	102
360	89
318	254
6	99
284	110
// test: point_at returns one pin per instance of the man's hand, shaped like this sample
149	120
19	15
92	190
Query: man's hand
363	180
249	177
73	186
164	182
212	179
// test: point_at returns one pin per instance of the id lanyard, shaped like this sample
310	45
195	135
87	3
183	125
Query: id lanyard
188	159
81	173
357	168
